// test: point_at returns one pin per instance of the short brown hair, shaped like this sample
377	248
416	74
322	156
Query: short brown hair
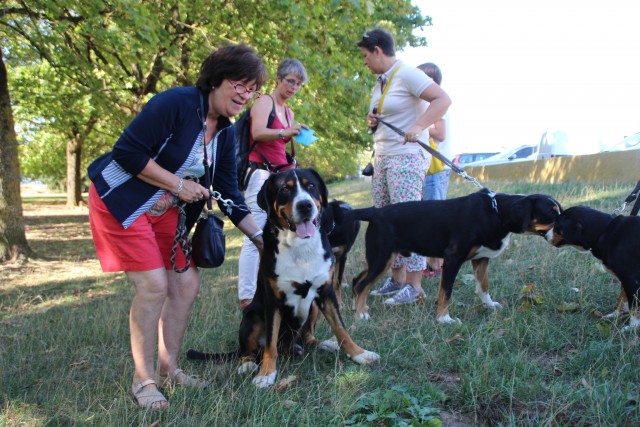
234	62
378	37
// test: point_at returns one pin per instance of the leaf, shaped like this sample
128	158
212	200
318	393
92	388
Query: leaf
528	289
286	382
456	337
604	328
568	307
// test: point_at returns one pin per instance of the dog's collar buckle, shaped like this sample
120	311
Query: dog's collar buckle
494	202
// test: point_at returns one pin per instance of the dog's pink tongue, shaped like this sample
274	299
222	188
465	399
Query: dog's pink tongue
305	230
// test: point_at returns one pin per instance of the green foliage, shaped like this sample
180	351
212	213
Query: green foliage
394	407
105	59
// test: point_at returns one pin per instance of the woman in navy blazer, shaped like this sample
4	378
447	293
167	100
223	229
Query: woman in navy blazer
157	162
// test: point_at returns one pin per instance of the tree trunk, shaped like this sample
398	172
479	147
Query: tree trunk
13	241
74	156
74	190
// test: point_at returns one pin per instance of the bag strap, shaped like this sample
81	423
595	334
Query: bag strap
208	179
386	88
286	114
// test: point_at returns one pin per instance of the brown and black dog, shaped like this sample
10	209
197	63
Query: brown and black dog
475	227
341	238
614	240
294	279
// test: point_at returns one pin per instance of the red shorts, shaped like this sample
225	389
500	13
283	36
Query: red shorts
145	245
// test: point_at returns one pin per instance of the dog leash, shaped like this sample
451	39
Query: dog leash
443	159
630	198
436	154
230	204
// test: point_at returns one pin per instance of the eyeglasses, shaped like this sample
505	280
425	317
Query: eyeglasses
241	89
293	82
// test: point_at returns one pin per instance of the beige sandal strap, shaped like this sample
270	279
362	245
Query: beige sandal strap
136	389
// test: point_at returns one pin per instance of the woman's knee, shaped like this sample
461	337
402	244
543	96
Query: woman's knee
154	282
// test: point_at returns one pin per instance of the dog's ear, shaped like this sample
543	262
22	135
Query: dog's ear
263	196
520	215
572	229
324	192
327	217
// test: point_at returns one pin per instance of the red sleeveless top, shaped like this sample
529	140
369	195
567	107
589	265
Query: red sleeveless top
273	151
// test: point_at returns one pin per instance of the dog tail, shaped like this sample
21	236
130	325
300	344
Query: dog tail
212	357
365	214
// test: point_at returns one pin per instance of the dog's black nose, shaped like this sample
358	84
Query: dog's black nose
304	207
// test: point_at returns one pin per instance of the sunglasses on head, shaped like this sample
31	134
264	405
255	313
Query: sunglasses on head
369	38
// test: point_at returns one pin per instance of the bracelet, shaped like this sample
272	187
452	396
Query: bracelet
281	133
256	234
180	185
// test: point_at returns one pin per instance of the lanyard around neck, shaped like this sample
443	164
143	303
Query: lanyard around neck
386	88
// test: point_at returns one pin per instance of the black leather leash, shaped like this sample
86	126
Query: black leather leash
630	198
443	159
436	154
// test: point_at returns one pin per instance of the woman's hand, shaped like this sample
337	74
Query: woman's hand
372	120
190	191
413	134
293	130
259	242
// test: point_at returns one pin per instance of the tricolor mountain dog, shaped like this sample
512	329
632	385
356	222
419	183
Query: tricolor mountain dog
475	227
341	238
294	280
614	240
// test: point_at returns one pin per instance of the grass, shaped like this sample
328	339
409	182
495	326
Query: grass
544	359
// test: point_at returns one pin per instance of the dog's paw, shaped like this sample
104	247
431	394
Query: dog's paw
493	305
634	324
487	301
366	358
247	368
448	320
264	381
363	316
615	314
329	345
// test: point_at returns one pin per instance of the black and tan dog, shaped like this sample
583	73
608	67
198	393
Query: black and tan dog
614	240
341	238
294	279
476	227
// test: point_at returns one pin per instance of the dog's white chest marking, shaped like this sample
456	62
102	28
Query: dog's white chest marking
484	252
303	263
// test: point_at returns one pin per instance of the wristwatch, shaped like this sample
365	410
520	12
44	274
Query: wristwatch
280	135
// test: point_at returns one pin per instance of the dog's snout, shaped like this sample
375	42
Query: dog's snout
304	207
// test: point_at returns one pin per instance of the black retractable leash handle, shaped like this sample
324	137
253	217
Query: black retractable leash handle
630	198
436	154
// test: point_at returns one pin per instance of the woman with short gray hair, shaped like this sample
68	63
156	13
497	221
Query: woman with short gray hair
272	126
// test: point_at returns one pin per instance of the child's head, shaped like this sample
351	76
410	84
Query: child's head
432	70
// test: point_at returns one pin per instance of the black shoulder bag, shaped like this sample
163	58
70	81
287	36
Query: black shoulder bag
208	243
209	239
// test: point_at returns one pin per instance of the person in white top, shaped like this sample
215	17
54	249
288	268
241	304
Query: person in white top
436	182
400	164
